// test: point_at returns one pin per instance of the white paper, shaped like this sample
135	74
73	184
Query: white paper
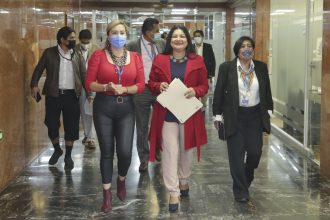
88	107
174	100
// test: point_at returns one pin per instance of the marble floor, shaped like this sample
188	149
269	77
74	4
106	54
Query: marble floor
286	186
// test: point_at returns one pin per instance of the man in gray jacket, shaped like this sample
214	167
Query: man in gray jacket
86	48
65	73
148	45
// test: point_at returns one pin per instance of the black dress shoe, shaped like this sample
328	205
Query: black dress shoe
143	167
68	163
242	200
54	158
173	207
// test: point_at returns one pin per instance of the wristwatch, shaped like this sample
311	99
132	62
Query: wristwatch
105	87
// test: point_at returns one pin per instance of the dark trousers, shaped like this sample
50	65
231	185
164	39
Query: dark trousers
114	125
67	104
143	102
244	149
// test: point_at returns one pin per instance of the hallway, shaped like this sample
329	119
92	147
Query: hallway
286	187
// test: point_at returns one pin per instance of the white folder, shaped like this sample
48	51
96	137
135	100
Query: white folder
174	100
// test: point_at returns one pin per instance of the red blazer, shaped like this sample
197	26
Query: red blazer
195	77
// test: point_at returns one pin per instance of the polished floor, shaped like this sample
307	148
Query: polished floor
286	187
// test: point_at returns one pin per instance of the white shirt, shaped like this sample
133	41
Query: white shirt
147	57
66	75
199	50
248	97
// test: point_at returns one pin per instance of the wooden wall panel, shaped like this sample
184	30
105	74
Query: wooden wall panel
21	118
262	30
230	19
325	97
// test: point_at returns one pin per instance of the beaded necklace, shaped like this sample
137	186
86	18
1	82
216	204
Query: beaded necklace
174	60
119	61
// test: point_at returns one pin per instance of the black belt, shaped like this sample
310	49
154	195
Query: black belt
121	99
65	91
250	109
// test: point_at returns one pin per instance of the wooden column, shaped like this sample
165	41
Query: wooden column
262	30
325	97
230	19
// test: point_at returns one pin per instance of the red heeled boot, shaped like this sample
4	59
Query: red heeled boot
107	200
121	189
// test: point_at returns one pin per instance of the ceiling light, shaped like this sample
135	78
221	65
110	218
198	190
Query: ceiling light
36	9
242	13
195	11
285	10
55	12
86	12
178	13
180	10
145	13
4	11
137	22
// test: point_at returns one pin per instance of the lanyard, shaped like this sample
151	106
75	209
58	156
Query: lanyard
120	71
65	57
150	55
247	78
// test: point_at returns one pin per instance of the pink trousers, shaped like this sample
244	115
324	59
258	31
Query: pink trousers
176	161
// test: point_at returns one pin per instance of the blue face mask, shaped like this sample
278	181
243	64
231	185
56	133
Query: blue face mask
246	53
157	36
117	41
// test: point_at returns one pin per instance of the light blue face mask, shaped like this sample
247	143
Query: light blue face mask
157	36
246	53
117	41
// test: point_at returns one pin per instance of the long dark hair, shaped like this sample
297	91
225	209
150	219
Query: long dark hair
168	48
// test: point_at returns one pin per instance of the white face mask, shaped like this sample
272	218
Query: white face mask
198	40
85	46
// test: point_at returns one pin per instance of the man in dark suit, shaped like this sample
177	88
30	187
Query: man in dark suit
65	71
206	51
148	45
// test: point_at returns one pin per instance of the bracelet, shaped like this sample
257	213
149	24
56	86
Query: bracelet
105	87
127	90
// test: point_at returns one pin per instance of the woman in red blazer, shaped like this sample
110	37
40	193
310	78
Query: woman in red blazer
176	140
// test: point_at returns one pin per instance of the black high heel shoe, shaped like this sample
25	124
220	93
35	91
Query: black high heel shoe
184	192
173	207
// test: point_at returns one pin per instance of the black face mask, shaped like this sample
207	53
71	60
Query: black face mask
72	44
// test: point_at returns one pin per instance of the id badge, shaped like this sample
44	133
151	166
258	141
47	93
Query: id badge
245	102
